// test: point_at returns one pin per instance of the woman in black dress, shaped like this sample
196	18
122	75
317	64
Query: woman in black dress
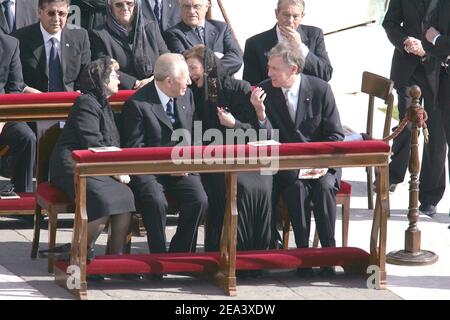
91	124
222	102
133	41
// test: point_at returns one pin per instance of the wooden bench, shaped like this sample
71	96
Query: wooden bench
222	265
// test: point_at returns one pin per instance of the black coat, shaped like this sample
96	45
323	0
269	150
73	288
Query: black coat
90	124
26	14
403	19
218	38
103	42
11	80
317	62
75	55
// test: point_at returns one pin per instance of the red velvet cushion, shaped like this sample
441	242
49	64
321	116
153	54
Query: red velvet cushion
52	194
246	260
193	152
346	188
27	201
54	97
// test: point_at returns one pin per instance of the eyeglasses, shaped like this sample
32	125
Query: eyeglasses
121	5
54	13
196	7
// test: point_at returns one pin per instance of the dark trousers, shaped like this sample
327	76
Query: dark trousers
191	199
21	156
300	193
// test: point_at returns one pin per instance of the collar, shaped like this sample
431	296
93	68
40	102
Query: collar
295	88
162	96
47	36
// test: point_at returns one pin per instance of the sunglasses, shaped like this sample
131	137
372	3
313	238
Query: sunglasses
53	13
121	5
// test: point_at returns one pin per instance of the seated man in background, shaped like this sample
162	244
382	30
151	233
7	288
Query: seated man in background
303	109
289	14
195	29
20	139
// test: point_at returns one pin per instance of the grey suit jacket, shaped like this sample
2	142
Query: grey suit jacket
11	80
170	13
26	14
146	124
75	54
218	38
317	62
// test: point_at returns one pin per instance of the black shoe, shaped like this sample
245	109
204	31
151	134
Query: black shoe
305	272
95	278
155	276
59	250
427	209
327	271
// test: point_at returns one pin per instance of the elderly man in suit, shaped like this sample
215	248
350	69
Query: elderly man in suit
303	109
195	29
16	14
17	135
150	117
289	14
52	54
411	65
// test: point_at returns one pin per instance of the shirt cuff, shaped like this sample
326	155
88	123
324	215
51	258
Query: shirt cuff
263	124
435	39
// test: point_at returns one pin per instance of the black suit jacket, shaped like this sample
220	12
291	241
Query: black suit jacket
441	21
103	42
170	13
11	80
317	117
146	124
404	18
26	14
75	54
218	38
317	62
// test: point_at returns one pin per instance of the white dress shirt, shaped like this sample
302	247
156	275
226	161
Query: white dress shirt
291	94
48	44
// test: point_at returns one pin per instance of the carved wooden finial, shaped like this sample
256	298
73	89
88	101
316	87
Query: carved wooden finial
415	92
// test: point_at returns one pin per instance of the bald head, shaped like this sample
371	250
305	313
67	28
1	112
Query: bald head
172	74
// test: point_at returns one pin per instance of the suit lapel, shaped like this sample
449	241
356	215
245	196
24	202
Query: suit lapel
303	35
191	35
157	107
3	23
304	102
181	113
419	6
66	47
210	34
272	39
281	107
38	48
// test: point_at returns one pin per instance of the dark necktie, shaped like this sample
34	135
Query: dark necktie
9	14
54	69
157	13
200	34
170	111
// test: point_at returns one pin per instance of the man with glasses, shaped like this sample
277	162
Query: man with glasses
52	55
289	14
195	29
16	14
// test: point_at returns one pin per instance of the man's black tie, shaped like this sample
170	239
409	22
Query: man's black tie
55	83
157	13
170	111
200	34
9	15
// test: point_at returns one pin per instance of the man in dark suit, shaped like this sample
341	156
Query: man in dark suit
302	108
289	14
17	135
18	13
71	47
412	66
438	38
168	12
150	118
195	29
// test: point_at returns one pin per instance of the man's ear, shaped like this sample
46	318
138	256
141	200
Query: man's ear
294	69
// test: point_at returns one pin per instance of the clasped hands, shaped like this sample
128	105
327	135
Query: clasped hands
414	46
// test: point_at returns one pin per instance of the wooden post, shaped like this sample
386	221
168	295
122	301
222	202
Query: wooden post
413	255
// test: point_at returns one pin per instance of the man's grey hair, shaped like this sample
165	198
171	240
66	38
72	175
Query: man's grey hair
291	54
168	65
296	3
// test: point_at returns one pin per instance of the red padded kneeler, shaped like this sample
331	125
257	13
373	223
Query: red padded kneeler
27	201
